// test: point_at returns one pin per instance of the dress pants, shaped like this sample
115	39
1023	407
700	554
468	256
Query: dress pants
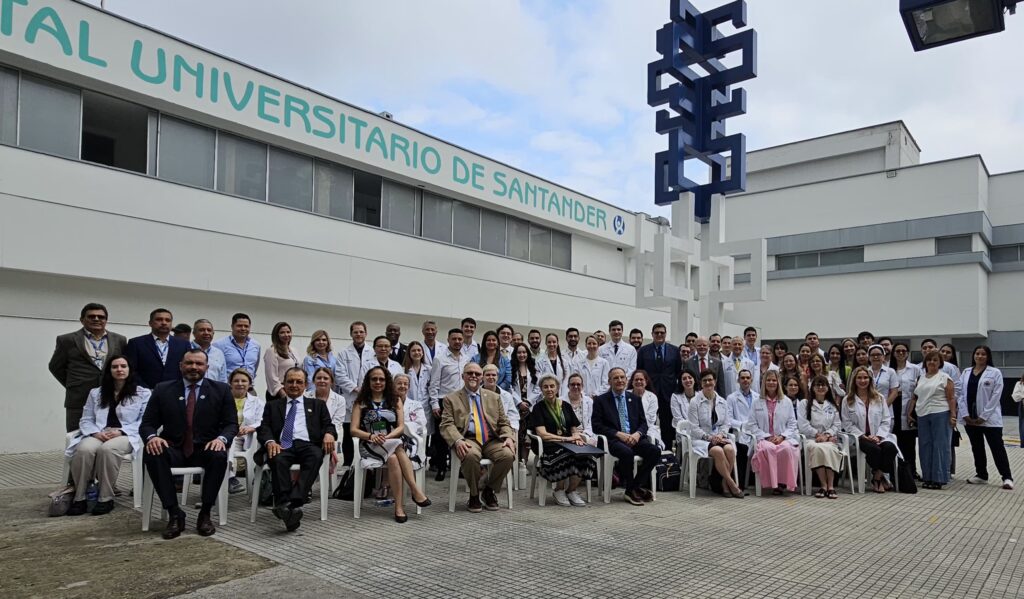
648	452
293	493
742	456
99	459
907	441
213	463
879	456
668	434
501	458
347	452
993	435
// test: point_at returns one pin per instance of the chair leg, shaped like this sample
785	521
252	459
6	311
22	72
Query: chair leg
453	481
533	485
508	487
222	500
137	469
757	484
66	470
147	501
421	482
254	497
692	459
607	474
358	480
861	472
325	486
186	482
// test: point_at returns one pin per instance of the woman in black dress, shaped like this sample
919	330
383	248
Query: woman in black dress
555	422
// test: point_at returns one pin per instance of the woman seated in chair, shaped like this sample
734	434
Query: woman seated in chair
249	408
818	420
378	420
107	432
772	423
323	389
640	385
583	407
709	418
866	416
555	422
415	419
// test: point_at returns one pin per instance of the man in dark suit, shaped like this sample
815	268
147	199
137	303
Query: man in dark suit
78	358
393	332
154	358
703	360
199	420
293	431
660	360
619	416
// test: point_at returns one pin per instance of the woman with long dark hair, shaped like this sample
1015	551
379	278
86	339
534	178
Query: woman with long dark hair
838	370
378	420
107	431
525	390
779	349
903	425
818	420
981	389
278	358
551	363
490	353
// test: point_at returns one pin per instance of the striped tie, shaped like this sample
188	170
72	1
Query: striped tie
482	435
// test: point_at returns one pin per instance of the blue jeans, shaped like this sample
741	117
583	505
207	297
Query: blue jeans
934	434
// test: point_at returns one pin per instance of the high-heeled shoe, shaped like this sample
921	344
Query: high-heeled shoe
401	519
425	503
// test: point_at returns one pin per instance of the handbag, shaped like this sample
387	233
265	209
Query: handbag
668	476
905	478
60	501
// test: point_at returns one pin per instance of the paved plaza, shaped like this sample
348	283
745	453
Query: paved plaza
966	541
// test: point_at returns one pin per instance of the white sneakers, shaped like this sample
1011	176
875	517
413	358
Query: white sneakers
567	499
560	497
577	500
1008	484
977	480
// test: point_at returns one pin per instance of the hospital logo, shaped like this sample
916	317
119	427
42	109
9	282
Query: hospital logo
619	225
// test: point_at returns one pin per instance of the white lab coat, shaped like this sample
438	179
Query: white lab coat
511	411
649	401
1018	392
740	407
879	416
438	348
731	375
94	418
585	414
837	384
418	392
394	368
679	405
907	380
625	358
595	376
699	418
990	392
532	389
415	418
349	373
572	357
252	416
824	419
337	407
562	370
784	421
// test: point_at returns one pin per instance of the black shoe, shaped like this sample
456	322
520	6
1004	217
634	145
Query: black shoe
291	522
401	519
103	507
440	475
175	526
204	524
425	503
281	512
633	497
474	504
490	501
78	508
646	494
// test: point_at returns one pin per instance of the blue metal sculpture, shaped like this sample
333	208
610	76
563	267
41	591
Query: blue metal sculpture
699	104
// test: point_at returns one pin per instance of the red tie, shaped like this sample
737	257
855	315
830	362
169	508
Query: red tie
703	365
190	410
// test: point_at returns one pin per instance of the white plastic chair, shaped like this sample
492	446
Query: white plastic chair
535	471
843	445
607	465
801	479
862	470
325	486
453	482
134	458
187	473
688	459
360	469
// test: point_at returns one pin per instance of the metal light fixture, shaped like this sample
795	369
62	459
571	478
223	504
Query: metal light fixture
932	23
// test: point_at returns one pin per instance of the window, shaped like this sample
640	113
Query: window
50	117
437	218
186	153
953	245
1007	253
241	167
401	210
291	179
8	106
814	259
1013	359
518	239
807	260
466	225
561	250
845	256
540	245
785	262
366	207
334	190
492	232
114	132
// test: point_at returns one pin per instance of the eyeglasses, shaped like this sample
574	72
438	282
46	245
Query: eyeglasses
899	351
95	317
472	374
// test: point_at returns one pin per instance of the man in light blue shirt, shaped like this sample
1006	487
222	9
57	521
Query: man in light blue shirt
202	332
240	350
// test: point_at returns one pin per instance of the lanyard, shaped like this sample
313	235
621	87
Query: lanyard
241	350
878	376
162	350
99	350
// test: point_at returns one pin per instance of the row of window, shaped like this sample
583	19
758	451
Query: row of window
1008	253
815	259
49	117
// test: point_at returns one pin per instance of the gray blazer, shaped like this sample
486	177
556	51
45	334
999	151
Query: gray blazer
74	369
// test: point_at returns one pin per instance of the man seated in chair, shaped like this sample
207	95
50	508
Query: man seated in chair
474	425
295	430
198	418
619	416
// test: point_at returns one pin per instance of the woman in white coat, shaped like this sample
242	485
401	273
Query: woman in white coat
867	417
594	369
419	375
1018	398
981	389
414	417
583	407
639	384
679	404
552	363
526	391
249	408
709	417
772	423
107	431
818	420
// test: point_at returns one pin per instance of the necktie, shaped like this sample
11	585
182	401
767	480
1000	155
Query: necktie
620	403
615	349
190	410
737	364
657	353
482	434
703	365
289	424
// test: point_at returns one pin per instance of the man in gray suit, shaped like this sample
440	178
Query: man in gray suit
77	361
703	360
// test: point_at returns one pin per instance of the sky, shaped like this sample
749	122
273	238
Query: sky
558	88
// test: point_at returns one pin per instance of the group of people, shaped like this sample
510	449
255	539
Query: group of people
189	401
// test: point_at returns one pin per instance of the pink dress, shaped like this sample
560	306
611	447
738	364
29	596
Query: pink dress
776	464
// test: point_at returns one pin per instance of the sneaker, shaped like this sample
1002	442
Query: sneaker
235	486
575	499
977	480
105	507
474	504
490	501
1008	484
561	498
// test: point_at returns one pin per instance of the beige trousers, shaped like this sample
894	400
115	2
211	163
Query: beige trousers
502	458
102	460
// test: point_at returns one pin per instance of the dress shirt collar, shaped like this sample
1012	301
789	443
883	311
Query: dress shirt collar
89	335
198	384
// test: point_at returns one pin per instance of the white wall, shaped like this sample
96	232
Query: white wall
1006	199
1006	301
